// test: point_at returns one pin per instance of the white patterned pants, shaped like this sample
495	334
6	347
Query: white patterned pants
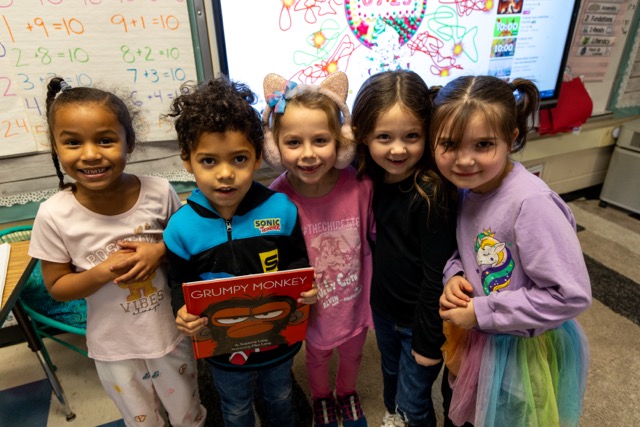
141	387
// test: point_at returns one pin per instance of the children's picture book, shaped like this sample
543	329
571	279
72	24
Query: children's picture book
249	313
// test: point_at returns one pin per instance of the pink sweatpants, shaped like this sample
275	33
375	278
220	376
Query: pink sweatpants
349	357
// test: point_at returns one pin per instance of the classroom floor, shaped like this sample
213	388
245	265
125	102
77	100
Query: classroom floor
26	398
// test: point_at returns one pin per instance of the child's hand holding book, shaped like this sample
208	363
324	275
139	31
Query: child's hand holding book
189	324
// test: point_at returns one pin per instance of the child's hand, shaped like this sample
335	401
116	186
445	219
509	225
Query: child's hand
424	361
463	317
140	266
65	284
455	293
115	265
189	324
309	297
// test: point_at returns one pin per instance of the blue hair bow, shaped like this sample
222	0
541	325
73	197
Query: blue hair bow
278	100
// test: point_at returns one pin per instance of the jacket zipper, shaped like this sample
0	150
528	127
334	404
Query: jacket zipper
234	262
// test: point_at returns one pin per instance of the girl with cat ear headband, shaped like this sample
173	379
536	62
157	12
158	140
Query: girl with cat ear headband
308	135
279	91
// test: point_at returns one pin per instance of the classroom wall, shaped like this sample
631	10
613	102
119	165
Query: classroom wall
573	161
601	86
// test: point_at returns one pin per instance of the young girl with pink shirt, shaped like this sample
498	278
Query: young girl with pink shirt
308	135
100	238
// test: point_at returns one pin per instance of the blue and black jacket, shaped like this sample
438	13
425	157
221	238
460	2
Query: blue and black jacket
263	235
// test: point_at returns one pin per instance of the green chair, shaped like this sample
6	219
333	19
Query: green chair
48	316
15	234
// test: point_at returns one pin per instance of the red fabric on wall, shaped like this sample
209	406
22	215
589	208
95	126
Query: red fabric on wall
573	109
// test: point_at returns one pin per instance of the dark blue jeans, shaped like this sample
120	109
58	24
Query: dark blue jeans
407	385
236	395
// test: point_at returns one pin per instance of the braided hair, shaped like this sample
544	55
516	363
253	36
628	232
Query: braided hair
60	94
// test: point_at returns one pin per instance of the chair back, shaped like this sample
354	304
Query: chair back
18	233
44	311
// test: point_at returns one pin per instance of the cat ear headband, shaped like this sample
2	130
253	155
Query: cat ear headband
277	91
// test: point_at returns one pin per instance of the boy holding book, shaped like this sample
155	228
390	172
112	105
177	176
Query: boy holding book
218	234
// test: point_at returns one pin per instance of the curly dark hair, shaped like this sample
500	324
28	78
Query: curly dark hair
220	105
60	95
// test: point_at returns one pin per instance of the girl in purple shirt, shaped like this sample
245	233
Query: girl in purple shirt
516	354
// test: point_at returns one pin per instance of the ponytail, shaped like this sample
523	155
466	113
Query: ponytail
527	103
56	85
433	92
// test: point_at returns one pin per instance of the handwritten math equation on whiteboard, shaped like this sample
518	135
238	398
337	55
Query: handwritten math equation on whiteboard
141	48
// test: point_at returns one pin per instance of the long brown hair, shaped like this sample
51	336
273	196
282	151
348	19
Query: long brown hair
378	94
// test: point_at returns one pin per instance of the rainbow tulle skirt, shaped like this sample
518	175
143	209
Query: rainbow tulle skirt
511	381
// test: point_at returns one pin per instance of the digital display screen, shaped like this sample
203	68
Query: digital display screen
305	41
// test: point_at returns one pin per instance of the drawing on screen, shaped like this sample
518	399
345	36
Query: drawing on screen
384	34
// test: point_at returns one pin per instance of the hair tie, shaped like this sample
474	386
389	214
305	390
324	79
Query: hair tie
64	86
278	100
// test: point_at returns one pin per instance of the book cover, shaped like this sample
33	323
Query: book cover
249	312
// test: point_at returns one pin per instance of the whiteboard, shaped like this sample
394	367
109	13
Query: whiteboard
141	48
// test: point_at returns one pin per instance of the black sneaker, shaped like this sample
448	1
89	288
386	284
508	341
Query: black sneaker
351	411
325	413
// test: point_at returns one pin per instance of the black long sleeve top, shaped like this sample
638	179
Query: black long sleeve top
412	247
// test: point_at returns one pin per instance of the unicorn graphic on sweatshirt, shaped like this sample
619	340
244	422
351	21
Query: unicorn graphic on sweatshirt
495	254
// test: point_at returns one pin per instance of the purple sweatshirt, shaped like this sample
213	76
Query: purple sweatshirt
518	247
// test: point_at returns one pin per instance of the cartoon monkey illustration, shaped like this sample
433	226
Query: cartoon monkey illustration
232	322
